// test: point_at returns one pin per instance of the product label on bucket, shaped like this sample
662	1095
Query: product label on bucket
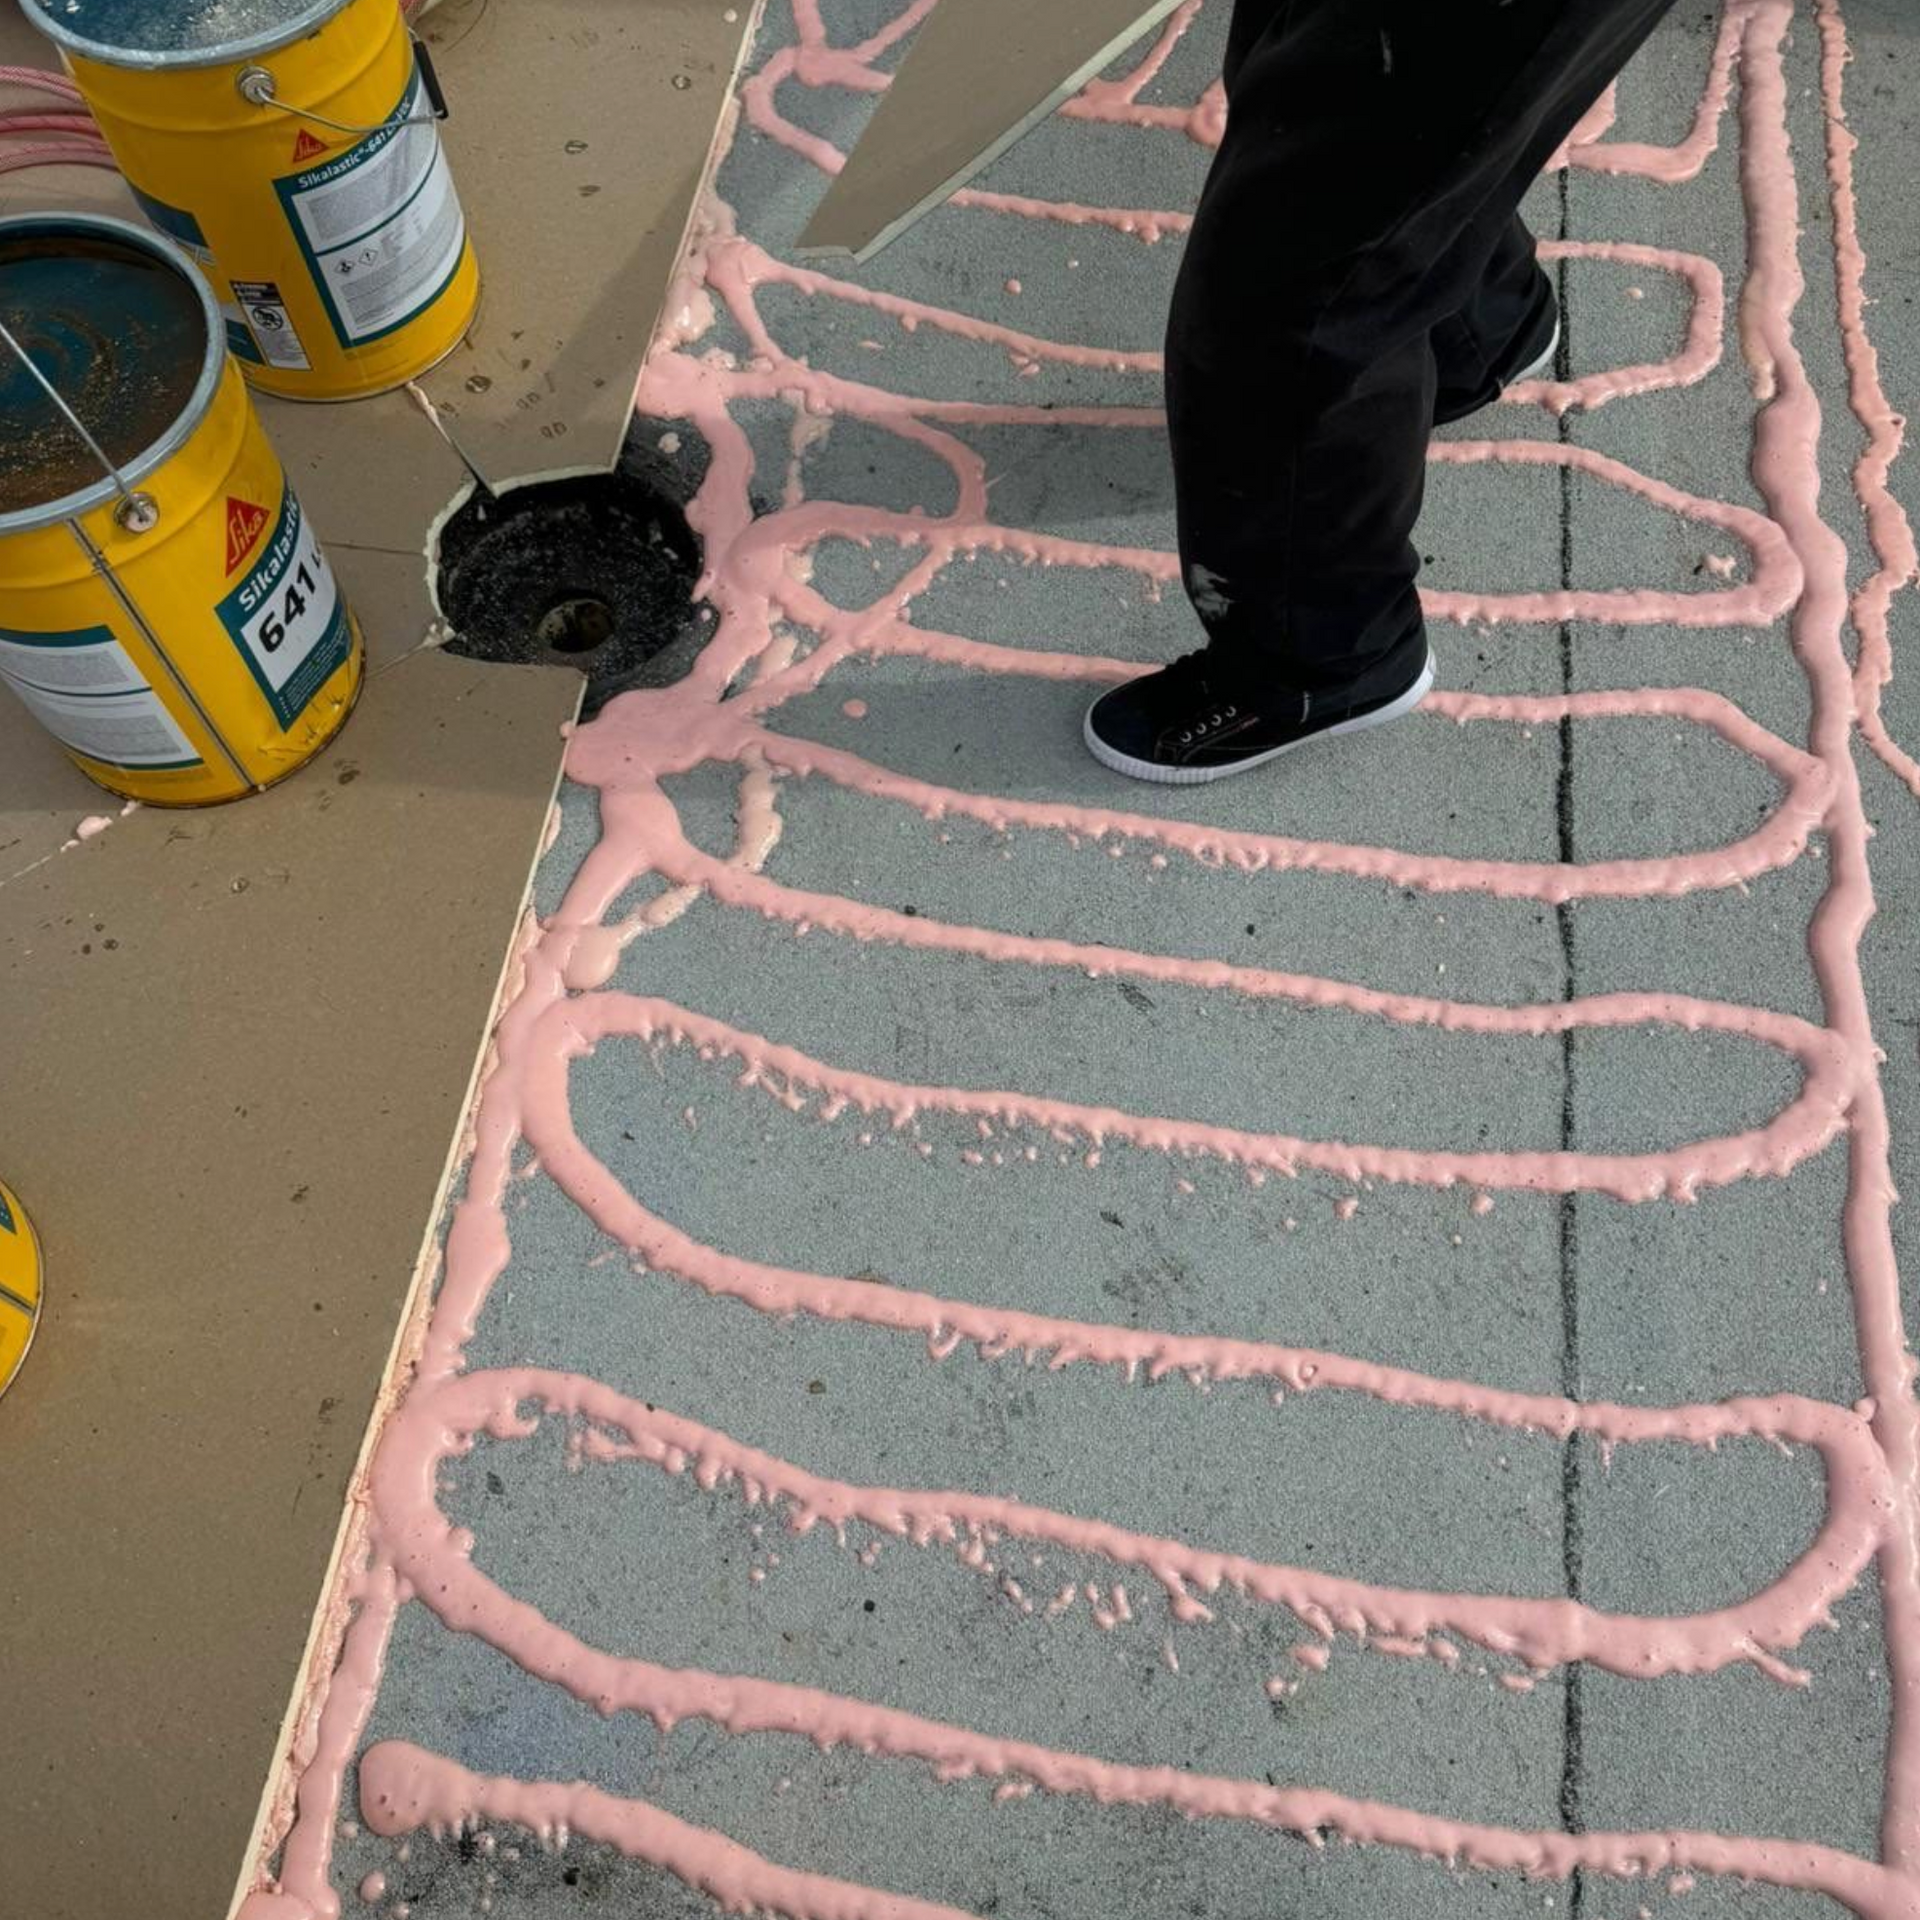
286	615
380	224
85	689
270	333
185	231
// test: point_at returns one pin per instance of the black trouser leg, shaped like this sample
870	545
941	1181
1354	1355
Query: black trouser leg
1359	218
1475	348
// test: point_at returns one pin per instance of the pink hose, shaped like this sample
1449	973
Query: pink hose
39	77
80	123
68	135
56	157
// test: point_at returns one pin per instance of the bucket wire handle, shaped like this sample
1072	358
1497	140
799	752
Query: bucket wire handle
257	85
136	512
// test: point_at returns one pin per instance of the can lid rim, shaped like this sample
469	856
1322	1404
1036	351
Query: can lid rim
70	506
222	53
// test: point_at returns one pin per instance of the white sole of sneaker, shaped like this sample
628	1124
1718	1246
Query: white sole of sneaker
1544	365
1160	776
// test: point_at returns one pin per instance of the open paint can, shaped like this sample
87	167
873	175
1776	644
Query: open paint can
292	147
166	610
19	1285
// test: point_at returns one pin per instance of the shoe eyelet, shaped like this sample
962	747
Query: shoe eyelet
1232	712
1186	739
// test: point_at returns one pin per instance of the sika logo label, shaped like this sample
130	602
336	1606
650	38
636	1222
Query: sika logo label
244	522
305	146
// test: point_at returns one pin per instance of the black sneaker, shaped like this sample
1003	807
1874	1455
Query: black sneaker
1181	726
1534	359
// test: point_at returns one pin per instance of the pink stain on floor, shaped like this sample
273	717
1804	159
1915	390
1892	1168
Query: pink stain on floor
399	1546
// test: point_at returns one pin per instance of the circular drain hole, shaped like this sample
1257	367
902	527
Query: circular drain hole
578	624
596	571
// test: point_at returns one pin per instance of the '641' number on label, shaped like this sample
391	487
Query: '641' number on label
287	618
288	606
301	590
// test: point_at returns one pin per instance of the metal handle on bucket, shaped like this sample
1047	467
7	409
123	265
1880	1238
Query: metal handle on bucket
256	84
135	512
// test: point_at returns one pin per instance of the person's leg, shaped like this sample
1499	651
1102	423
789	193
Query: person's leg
1374	158
1372	166
1511	321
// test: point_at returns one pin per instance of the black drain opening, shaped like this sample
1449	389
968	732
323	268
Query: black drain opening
578	623
595	572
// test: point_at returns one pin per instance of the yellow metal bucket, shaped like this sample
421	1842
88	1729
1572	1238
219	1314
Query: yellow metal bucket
19	1285
166	611
292	147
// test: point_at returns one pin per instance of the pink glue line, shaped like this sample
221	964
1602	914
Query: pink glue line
1699	353
1773	588
997	1331
1128	89
1674	165
646	824
436	1559
1888	527
1588	129
1148	224
1543	1632
1814	1117
418	1789
1698	356
747	267
816	63
1773	845
1204	122
737	268
861	920
1786	467
404	1789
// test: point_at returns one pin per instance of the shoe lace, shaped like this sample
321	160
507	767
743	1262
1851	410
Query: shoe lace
1214	706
